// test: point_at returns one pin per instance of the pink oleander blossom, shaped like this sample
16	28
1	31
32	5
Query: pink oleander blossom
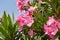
27	13
20	29
51	28
29	20
31	33
25	20
21	21
58	24
21	4
51	31
31	9
51	20
52	37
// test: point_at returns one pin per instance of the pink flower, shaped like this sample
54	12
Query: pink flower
27	13
31	33
20	29
52	37
31	9
25	20
26	2
21	4
29	20
21	21
51	20
51	28
58	24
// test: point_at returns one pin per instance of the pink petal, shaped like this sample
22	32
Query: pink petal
31	33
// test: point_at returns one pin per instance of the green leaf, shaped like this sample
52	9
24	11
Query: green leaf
15	27
33	3
4	32
10	26
4	21
13	16
58	10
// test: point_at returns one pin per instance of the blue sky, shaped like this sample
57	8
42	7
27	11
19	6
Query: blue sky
9	6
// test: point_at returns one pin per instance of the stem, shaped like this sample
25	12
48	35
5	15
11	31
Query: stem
25	37
42	36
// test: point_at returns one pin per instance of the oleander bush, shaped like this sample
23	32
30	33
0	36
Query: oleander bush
38	20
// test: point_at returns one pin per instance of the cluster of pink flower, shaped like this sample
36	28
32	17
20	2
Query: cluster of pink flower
51	27
21	4
26	18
